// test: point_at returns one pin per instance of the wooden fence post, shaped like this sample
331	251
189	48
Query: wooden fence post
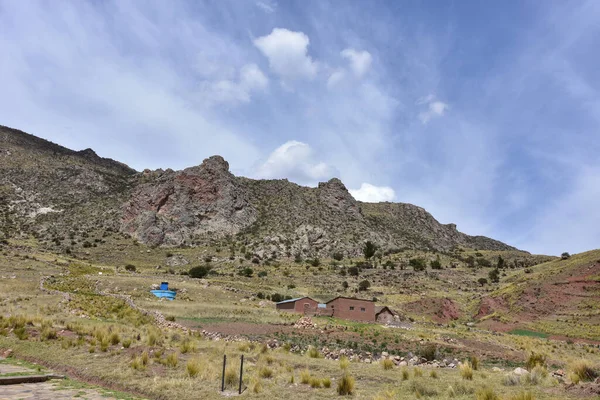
241	374
223	376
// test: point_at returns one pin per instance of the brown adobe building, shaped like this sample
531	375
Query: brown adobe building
304	305
353	309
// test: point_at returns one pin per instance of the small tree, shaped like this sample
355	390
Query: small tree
494	275
500	264
436	264
364	285
130	268
418	264
369	249
199	272
345	285
565	255
337	256
482	281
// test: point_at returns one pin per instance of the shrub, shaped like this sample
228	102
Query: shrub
48	334
353	271
114	338
583	370
405	374
420	390
130	268
193	368
436	264
482	281
494	275
369	249
364	285
265	372
418	264
387	364
304	377
247	272
474	360
466	371
315	262
326	383
486	394
315	383
535	359
345	385
338	256
344	363
231	376
172	360
170	318
262	274
429	352
199	272
565	255
313	352
523	396
511	380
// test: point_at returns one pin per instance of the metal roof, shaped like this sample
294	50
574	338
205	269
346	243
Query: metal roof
291	300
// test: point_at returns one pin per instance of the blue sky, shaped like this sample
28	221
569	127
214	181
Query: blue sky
487	114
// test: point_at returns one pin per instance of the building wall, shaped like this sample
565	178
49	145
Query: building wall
307	306
354	309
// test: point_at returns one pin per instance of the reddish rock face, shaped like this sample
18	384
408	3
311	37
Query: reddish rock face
172	207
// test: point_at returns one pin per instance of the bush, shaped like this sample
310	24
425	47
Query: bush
429	352
535	359
192	368
313	352
353	271
369	249
511	380
130	268
199	272
405	374
345	385
494	275
387	364
338	256
474	362
344	363
247	272
466	371
565	255
418	264
436	264
172	360
262	274
482	281
364	285
486	394
315	262
583	370
304	377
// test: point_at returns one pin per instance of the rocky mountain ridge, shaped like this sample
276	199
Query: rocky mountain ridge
47	189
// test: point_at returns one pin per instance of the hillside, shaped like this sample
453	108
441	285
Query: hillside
48	190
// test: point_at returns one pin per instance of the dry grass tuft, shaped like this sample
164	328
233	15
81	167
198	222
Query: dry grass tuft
172	360
345	385
265	372
192	368
405	374
523	396
583	370
387	364
417	372
344	363
486	394
466	371
304	377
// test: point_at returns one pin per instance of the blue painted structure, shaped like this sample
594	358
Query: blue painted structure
164	292
167	294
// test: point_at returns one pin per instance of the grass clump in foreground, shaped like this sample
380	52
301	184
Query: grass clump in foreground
346	385
486	393
387	364
582	370
466	371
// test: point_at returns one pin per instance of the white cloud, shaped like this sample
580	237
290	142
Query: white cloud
373	194
267	6
251	79
360	61
295	161
287	53
435	108
335	78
